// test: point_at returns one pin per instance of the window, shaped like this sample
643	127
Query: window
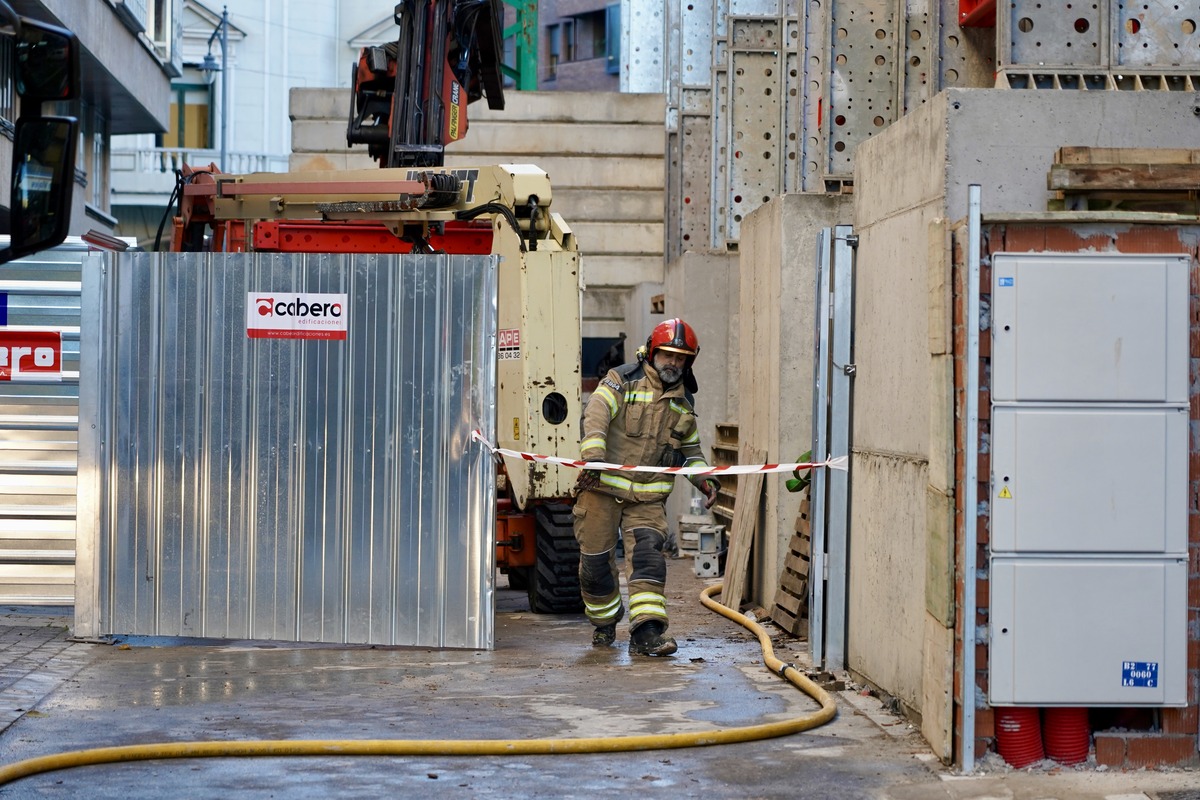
191	117
97	163
510	57
597	23
8	93
160	23
553	33
569	40
612	39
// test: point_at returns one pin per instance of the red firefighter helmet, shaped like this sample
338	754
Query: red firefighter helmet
674	336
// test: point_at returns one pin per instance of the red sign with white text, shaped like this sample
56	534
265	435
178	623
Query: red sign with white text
508	341
30	355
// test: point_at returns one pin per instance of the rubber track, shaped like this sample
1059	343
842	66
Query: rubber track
554	580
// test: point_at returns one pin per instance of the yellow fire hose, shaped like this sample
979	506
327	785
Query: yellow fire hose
464	747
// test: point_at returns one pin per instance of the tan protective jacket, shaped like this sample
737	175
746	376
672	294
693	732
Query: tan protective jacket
631	419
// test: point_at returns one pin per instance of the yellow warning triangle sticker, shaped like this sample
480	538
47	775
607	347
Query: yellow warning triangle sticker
1005	494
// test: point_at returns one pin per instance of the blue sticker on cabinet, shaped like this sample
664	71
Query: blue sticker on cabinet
1005	281
1139	673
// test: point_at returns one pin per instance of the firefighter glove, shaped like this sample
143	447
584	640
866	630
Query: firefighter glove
588	479
710	487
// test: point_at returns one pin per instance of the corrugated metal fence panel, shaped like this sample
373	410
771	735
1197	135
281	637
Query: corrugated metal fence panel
38	436
298	490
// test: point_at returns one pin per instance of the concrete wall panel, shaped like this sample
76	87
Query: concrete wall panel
608	204
905	168
938	689
535	137
886	638
518	138
619	270
319	162
891	343
618	238
901	556
703	287
1011	161
778	253
518	106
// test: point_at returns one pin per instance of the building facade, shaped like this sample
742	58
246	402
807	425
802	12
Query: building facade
580	45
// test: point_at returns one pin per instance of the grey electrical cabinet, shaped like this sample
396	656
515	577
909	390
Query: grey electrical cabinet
1089	468
1089	480
1088	631
1089	328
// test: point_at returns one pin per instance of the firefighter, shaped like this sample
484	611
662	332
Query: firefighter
641	413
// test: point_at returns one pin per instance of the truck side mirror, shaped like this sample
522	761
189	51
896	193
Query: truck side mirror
47	62
46	66
42	178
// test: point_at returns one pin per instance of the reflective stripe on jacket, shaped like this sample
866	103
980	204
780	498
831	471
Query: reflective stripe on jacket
631	419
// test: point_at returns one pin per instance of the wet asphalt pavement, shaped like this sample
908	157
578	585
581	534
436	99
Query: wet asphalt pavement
543	680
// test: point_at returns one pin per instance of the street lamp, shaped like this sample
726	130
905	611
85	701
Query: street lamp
210	65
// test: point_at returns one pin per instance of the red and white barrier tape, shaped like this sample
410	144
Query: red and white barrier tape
731	469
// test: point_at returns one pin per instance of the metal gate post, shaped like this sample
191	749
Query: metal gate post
816	580
971	479
841	376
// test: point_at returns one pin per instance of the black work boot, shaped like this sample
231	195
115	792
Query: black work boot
650	639
604	635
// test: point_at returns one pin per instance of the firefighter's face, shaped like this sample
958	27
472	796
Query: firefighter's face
669	365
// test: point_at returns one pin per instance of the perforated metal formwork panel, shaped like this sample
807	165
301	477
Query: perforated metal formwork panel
814	79
1156	33
755	117
289	489
642	49
919	33
793	103
965	57
696	168
719	176
1046	34
849	69
863	87
696	46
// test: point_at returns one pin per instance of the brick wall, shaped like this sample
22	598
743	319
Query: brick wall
1126	738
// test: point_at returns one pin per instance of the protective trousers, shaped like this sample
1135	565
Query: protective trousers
598	518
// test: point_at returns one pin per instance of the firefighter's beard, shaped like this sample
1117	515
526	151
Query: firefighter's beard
670	375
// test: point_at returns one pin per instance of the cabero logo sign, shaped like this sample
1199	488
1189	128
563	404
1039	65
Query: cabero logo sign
296	316
30	355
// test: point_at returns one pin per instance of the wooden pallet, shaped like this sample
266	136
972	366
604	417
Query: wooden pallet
725	453
791	599
742	534
1165	180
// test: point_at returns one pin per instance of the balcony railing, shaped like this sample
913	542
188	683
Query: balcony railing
169	159
146	176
